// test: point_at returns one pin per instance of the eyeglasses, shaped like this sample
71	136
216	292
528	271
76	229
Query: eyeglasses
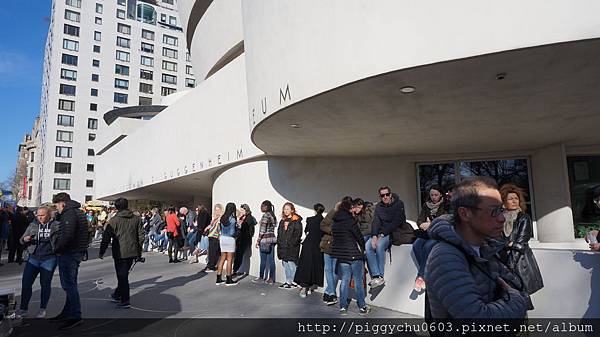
494	211
384	195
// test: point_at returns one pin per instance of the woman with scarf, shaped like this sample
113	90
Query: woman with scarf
435	206
518	229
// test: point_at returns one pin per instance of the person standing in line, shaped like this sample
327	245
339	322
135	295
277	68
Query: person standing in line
265	243
329	262
310	265
213	231
70	246
347	248
243	243
18	226
38	241
4	229
289	235
125	233
174	235
228	224
202	222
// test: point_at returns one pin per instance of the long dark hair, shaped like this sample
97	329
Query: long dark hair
229	211
270	209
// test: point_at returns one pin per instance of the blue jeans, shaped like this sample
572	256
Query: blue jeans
330	275
46	270
270	260
376	258
68	267
346	271
421	248
290	271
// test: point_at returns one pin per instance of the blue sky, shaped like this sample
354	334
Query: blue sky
23	30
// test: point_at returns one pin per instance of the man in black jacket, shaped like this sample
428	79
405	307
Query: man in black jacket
19	225
70	247
389	214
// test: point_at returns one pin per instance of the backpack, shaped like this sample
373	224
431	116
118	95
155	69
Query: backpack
403	234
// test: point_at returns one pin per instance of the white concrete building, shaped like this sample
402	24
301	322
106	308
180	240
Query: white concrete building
101	55
308	101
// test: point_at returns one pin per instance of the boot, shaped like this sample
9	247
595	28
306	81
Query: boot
230	281
219	280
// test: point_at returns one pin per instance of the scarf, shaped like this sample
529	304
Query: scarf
433	207
511	217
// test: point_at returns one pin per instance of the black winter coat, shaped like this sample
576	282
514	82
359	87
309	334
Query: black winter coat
388	217
288	241
311	265
72	234
348	242
202	221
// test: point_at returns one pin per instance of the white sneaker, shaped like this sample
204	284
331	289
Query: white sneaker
19	314
41	314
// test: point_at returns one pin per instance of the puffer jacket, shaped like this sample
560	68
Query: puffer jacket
73	231
325	226
348	242
387	218
126	233
288	241
365	218
458	287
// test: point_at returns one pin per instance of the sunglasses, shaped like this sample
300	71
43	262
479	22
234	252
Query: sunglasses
494	211
385	195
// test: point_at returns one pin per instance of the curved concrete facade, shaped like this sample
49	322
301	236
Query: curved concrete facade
302	102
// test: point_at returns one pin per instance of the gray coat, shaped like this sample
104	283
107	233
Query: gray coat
34	228
458	288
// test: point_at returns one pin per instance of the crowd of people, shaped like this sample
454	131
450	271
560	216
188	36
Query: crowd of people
471	248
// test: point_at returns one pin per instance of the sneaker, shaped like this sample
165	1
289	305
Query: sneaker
208	270
284	286
230	282
289	287
257	280
19	314
332	300
326	298
377	282
419	284
295	285
219	281
41	314
270	281
343	311
303	292
364	310
70	323
114	299
123	305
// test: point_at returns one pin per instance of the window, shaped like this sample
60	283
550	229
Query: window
120	14
171	66
121	2
147	61
121	84
120	98
90	168
69	59
74	3
98	21
145	100
147	47
64	136
63	152
121	70
190	82
72	15
67	74
30	190
95	63
146	14
92	123
148	35
91	152
165	91
32	156
172	20
170	2
94	92
62	167
66	89
88	198
66	105
584	177
170	53
99	8
70	45
93	107
122	56
65	120
30	177
163	18
125	29
146	88
170	40
89	183
123	42
91	137
188	70
96	49
62	184
95	77
146	74
97	36
71	30
169	79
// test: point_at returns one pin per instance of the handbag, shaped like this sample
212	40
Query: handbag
170	235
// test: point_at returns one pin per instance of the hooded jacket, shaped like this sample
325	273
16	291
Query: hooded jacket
73	231
388	217
348	242
461	284
33	229
365	218
125	233
288	241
